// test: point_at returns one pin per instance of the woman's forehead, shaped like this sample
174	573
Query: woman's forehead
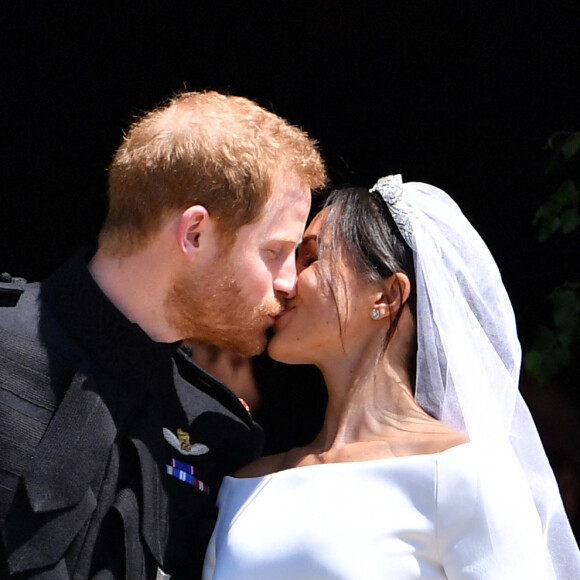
317	222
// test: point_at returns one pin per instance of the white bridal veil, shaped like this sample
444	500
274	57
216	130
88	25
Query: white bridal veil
469	355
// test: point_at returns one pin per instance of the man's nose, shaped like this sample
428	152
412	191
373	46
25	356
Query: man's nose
285	279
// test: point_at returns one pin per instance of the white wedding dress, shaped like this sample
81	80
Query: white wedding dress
423	516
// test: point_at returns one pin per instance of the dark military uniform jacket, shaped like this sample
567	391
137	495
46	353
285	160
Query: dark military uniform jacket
112	446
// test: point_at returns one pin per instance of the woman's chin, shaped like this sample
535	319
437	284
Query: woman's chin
279	350
274	351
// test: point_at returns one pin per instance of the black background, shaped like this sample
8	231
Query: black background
460	94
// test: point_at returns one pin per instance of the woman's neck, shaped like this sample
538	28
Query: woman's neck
369	401
372	413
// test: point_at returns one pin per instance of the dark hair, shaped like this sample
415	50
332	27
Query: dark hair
360	230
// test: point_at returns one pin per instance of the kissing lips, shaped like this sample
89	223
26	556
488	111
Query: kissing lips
284	312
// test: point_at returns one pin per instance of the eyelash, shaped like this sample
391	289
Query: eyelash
307	260
273	254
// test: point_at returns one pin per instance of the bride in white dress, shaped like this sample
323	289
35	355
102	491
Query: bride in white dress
428	464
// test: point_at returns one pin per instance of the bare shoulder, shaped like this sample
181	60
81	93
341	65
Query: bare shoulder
262	466
435	437
447	438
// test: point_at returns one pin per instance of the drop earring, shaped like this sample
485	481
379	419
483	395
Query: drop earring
375	313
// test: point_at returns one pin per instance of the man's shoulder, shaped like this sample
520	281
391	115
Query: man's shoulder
11	289
37	359
19	307
16	295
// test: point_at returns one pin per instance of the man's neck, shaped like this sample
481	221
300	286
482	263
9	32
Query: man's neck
137	286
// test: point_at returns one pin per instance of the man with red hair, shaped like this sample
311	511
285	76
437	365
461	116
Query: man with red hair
113	443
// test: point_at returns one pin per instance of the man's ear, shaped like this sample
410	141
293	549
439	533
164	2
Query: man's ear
194	231
394	294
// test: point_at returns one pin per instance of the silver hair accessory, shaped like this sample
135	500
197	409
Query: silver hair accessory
375	314
469	356
390	188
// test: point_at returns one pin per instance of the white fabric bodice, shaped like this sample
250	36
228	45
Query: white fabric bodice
423	516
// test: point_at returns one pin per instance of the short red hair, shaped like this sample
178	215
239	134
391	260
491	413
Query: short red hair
216	150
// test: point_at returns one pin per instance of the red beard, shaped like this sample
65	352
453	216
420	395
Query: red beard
212	309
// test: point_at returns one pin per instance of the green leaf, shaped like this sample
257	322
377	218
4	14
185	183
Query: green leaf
534	363
563	146
545	338
566	315
561	357
570	219
570	146
541	365
559	212
567	194
548	227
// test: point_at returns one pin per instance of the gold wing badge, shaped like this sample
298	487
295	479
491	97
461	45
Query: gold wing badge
182	443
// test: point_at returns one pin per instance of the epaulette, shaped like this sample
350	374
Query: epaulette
11	288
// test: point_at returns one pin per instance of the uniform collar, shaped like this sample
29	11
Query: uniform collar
118	346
